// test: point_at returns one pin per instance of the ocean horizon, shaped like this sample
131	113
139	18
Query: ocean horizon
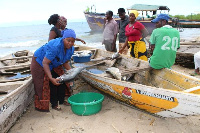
36	22
33	35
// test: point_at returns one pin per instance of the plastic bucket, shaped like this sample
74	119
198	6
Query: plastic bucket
86	103
81	59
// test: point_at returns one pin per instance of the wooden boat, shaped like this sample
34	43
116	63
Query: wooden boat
15	93
96	20
189	23
165	92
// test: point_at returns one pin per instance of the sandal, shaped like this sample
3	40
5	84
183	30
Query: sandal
57	108
66	103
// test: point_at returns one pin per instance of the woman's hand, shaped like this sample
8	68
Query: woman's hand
55	81
71	83
83	41
78	39
120	51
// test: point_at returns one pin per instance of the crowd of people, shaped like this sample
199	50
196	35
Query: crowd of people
164	40
50	60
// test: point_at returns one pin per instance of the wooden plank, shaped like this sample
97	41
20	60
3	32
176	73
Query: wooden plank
16	66
189	43
134	70
13	80
15	58
7	73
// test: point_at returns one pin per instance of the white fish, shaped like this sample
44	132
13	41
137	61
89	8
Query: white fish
115	55
70	74
115	72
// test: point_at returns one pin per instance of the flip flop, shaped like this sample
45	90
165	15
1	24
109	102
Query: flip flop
66	103
57	108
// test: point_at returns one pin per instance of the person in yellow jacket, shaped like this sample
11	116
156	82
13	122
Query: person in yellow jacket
135	33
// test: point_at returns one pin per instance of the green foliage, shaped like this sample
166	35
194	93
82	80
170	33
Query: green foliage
191	16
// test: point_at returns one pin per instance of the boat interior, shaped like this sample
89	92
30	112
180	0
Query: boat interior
15	67
9	87
124	68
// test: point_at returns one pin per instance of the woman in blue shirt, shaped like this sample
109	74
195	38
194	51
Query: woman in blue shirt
56	53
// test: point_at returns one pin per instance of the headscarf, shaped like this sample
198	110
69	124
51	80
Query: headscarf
68	33
134	12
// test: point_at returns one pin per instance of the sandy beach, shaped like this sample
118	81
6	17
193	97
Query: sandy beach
114	117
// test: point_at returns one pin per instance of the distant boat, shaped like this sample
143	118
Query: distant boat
96	20
189	23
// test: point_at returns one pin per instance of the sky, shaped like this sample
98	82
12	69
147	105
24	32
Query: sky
38	11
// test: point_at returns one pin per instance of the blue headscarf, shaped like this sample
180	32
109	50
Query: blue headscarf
68	33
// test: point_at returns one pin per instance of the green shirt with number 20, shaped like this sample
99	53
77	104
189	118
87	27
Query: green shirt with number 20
166	40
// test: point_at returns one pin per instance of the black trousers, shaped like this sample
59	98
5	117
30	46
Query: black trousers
57	93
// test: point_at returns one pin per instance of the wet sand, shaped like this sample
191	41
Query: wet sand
113	118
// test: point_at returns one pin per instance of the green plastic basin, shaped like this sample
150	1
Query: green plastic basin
86	103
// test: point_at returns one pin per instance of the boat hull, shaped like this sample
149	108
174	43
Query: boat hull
162	102
96	21
162	92
17	87
189	23
13	105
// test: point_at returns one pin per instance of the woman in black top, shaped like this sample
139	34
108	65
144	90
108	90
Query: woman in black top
55	31
60	24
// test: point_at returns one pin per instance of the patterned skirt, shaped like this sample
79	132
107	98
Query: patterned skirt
41	85
138	50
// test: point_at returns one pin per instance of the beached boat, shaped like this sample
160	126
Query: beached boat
16	87
165	92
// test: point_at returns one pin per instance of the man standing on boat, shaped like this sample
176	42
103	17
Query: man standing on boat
110	32
122	24
165	41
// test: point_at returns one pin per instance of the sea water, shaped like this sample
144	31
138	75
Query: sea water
31	37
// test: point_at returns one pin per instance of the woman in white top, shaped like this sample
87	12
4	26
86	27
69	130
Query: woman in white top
197	63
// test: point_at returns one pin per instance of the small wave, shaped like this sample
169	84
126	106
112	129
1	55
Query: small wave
96	45
21	44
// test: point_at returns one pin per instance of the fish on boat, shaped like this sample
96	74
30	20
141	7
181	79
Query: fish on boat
16	87
71	74
164	92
